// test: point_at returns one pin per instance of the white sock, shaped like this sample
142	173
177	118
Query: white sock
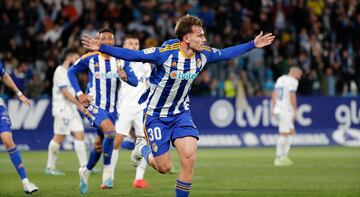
25	181
53	151
80	149
140	170
287	145
280	147
114	159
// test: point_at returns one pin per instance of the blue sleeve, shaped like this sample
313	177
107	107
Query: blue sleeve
131	77
2	70
147	55
79	65
215	55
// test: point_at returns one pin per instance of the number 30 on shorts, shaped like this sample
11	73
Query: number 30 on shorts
154	133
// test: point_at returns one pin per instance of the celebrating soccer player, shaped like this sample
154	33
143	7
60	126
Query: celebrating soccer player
100	101
168	116
6	135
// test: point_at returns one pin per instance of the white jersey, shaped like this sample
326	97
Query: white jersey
130	95
284	86
60	104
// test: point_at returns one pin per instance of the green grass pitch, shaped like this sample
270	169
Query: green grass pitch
322	171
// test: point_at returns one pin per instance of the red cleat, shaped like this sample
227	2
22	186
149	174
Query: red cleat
104	187
140	183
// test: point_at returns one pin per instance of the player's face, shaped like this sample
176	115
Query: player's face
107	38
196	39
132	43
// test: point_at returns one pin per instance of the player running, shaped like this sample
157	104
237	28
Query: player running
168	115
66	117
100	102
284	108
130	112
6	135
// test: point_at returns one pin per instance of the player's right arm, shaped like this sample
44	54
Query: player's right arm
80	65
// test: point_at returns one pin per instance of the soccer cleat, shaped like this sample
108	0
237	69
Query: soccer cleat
136	155
54	172
279	162
30	188
287	161
84	179
107	178
140	183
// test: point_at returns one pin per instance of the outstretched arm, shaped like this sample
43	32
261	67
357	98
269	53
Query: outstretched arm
234	51
146	55
10	83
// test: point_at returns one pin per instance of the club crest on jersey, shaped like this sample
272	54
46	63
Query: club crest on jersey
198	62
173	64
149	50
154	147
183	76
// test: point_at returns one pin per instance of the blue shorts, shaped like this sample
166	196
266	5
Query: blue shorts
5	123
159	131
97	115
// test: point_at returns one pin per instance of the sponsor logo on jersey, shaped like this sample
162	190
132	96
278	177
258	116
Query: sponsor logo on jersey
182	76
108	75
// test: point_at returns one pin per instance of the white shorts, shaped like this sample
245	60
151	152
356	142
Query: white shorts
64	125
126	121
286	122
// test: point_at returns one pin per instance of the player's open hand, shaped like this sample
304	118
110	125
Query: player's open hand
84	99
90	43
25	100
263	40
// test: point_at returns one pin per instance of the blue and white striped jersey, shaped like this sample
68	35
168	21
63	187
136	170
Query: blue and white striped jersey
171	82
103	80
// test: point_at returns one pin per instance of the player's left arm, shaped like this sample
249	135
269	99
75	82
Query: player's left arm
147	55
131	78
293	102
227	53
273	98
10	84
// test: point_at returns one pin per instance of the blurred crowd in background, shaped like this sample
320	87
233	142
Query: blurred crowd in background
320	36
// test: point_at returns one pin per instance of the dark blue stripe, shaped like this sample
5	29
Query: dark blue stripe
157	74
181	88
116	94
97	81
108	85
90	82
168	86
198	69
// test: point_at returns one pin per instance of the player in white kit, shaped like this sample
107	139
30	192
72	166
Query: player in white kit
130	112
285	109
66	117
